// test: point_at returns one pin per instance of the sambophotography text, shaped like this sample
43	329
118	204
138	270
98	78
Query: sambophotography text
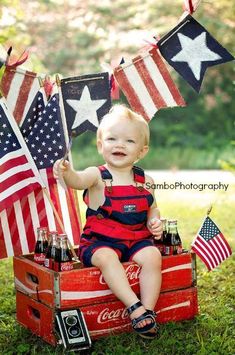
179	185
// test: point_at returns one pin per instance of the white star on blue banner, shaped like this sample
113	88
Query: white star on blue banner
86	100
190	50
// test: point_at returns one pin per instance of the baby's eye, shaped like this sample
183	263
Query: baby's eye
130	141
110	139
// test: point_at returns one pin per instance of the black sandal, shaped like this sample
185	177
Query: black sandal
152	335
143	331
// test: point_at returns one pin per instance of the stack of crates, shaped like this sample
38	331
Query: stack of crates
41	292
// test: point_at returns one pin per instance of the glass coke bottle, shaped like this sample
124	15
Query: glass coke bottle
50	254
173	243
63	255
160	242
41	245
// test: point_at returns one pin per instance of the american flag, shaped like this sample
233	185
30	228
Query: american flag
19	87
18	173
19	222
148	85
35	111
210	244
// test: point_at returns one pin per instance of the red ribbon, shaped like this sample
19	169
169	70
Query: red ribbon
22	58
115	93
188	6
151	45
48	86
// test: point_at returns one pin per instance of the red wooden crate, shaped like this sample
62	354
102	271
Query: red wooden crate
86	286
104	318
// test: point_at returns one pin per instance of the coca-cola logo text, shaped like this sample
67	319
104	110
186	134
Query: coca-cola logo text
66	266
132	273
107	315
39	258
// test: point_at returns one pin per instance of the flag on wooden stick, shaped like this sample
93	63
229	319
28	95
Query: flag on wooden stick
18	173
210	244
18	222
148	85
46	142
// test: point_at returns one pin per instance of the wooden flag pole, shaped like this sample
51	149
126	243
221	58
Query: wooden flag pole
60	223
58	83
209	210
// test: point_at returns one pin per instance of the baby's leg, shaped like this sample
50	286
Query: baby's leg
114	275
149	258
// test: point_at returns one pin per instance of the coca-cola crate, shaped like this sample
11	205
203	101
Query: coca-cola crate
84	286
105	318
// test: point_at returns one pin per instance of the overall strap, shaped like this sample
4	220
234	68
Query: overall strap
139	176
105	175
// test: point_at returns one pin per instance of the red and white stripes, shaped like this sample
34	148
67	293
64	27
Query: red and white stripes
148	85
19	222
19	88
212	252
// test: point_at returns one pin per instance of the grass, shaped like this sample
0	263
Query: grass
210	333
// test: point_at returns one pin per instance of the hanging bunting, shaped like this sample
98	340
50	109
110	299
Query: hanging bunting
19	87
86	100
148	85
190	50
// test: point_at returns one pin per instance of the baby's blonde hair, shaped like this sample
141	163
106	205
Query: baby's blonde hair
123	112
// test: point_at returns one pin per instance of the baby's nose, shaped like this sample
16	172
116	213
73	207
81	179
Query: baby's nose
120	143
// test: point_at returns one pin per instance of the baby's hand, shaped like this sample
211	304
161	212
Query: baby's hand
155	227
60	167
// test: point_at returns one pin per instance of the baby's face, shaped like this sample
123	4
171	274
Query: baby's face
122	143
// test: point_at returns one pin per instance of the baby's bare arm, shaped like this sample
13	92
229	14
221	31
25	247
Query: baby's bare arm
78	180
153	223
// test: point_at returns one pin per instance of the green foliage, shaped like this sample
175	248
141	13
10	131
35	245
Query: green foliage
75	38
229	162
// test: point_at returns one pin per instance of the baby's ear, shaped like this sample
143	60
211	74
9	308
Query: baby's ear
144	151
99	146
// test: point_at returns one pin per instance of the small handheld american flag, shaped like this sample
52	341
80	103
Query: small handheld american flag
210	244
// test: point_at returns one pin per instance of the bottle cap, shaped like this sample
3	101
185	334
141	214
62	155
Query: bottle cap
172	221
62	236
45	229
53	233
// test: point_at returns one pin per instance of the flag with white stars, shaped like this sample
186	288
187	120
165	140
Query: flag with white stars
34	112
19	175
86	100
45	140
190	49
210	244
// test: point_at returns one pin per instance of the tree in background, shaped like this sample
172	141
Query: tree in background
75	37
